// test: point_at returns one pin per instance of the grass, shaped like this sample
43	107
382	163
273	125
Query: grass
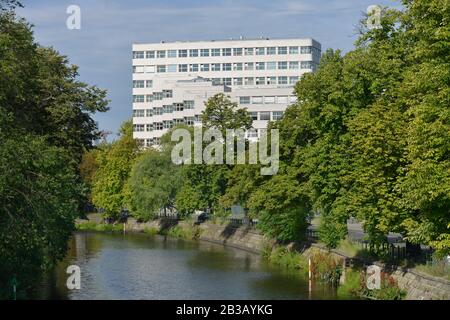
92	226
284	258
151	231
436	269
189	232
352	285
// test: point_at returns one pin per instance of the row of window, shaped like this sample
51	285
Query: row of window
267	100
141	98
142	83
206	67
156	126
224	52
186	105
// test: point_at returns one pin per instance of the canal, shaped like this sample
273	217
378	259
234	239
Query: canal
140	266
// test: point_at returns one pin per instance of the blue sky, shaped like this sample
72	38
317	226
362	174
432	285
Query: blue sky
102	47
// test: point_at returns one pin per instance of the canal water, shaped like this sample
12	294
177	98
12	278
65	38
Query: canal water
140	266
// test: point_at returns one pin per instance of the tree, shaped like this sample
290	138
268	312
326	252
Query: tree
45	126
114	166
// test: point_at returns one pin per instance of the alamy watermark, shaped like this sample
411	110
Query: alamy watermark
188	151
373	280
74	278
374	17
73	22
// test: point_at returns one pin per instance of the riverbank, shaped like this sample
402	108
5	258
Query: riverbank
330	265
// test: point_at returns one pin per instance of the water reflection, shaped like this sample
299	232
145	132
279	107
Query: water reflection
138	266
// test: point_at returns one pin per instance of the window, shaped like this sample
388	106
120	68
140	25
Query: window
294	65
282	50
257	100
305	50
292	99
149	113
149	69
265	115
149	127
138	54
293	50
158	126
226	67
182	68
138	69
282	65
293	80
168	108
172	68
161	54
254	115
182	53
178	121
189	104
249	81
253	133
193	67
269	99
260	65
277	115
260	80
189	121
237	51
204	67
161	68
249	51
237	66
282	80
271	50
204	52
272	65
226	51
215	67
178	106
271	80
193	53
138	127
158	95
150	54
149	98
167	124
172	53
227	81
139	113
215	52
260	51
138	83
167	93
306	64
138	98
237	81
148	83
216	81
158	111
282	99
248	66
244	100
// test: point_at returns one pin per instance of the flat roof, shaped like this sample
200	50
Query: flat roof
226	40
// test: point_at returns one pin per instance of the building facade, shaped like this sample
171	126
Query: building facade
172	81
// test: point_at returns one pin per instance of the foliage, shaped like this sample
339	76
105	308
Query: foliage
326	267
92	226
45	126
114	166
287	259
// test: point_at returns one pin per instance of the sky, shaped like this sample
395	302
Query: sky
102	46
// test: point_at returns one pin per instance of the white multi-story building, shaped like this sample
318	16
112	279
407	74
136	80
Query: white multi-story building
171	81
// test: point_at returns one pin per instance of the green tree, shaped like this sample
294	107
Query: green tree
114	166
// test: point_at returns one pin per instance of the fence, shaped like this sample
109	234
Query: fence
237	222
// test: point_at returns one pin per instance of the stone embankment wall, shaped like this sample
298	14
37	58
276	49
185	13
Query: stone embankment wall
417	285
